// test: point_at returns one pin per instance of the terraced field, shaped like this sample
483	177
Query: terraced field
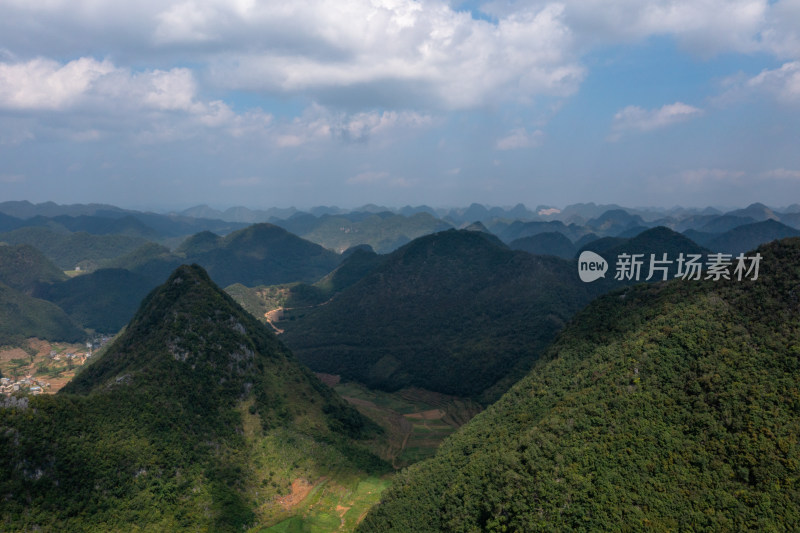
333	506
416	420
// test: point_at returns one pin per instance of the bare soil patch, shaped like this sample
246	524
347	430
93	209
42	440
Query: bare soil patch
300	489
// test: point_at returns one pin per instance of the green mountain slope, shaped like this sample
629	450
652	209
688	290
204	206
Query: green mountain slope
452	312
261	254
663	407
22	317
748	236
549	243
67	250
104	300
383	231
195	419
264	254
24	268
298	296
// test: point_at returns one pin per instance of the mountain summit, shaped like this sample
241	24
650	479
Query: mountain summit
195	418
454	312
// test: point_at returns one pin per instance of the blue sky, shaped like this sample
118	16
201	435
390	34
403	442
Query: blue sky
168	104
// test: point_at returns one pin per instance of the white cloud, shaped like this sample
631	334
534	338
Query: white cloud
705	175
95	96
400	50
519	138
405	50
706	27
781	174
639	119
783	83
318	123
44	84
781	36
47	85
92	98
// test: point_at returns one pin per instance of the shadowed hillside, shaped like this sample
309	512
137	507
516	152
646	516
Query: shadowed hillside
662	407
455	312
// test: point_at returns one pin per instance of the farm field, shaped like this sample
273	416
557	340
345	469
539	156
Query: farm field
416	420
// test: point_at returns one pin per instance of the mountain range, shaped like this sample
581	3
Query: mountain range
456	312
610	405
195	418
662	407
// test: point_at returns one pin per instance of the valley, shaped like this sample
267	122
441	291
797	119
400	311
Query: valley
323	389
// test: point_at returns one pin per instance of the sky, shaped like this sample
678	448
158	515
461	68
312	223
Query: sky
167	104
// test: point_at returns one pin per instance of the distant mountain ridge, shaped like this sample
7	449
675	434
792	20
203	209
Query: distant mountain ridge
454	312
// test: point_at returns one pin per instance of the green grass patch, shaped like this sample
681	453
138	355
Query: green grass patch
333	506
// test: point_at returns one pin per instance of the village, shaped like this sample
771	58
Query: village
47	368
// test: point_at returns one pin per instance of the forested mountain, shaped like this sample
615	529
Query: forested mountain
102	219
195	418
104	300
24	268
550	243
261	254
23	316
454	312
746	237
384	231
68	250
662	407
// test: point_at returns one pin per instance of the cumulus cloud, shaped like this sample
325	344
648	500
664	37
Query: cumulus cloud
519	138
698	25
404	50
46	84
781	36
87	98
783	83
638	119
396	49
318	123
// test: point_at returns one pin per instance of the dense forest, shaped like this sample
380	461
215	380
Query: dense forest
454	312
196	418
667	406
670	406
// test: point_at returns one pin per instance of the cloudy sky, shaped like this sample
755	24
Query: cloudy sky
172	103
